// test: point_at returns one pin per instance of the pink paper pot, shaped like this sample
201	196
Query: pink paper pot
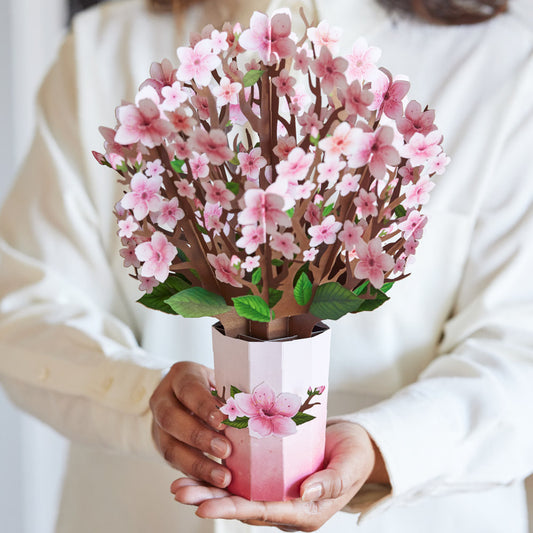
278	391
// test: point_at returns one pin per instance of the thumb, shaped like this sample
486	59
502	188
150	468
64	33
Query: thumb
350	463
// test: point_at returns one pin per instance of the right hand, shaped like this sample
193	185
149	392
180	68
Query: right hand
187	423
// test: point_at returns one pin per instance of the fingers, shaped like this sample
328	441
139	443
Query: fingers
191	461
293	515
191	384
191	492
173	419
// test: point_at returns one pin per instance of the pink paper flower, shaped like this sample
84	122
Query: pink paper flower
438	164
157	255
329	170
418	193
326	232
330	70
270	37
284	243
214	144
197	63
416	120
219	41
302	60
227	92
265	209
350	235
169	214
310	124
147	284
309	255
420	148
345	140
212	214
127	227
250	263
199	165
128	254
231	409
366	204
218	192
173	96
224	270
284	147
144	195
376	148
349	183
184	188
154	168
357	100
413	225
295	167
373	262
269	414
284	84
362	61
392	99
251	163
141	124
312	214
325	35
252	237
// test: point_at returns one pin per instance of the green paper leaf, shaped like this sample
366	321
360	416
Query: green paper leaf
233	186
290	212
256	275
157	298
302	418
252	308
314	140
333	301
177	165
328	209
387	286
181	255
235	161
274	296
251	77
277	262
201	229
379	299
303	289
241	422
233	391
197	302
400	211
361	289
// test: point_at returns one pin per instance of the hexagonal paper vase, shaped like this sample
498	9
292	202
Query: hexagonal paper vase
275	395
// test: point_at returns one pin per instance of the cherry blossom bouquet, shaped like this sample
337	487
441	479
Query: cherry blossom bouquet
269	181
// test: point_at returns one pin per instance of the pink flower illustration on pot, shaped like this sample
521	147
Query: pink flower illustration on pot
269	414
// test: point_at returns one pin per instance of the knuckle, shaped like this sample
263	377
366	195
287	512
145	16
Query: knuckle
337	487
200	469
198	437
168	454
164	417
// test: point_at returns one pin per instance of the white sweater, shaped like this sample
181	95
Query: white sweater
441	376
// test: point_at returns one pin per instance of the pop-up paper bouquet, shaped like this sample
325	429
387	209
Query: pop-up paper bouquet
271	183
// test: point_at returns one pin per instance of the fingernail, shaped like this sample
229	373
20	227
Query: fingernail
313	492
215	418
219	476
220	448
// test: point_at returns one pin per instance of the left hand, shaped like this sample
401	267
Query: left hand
352	459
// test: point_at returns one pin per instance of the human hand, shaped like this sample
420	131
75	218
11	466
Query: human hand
186	423
352	459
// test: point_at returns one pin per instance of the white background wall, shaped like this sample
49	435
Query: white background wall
31	455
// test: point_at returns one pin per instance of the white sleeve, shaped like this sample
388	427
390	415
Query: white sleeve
65	356
466	423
